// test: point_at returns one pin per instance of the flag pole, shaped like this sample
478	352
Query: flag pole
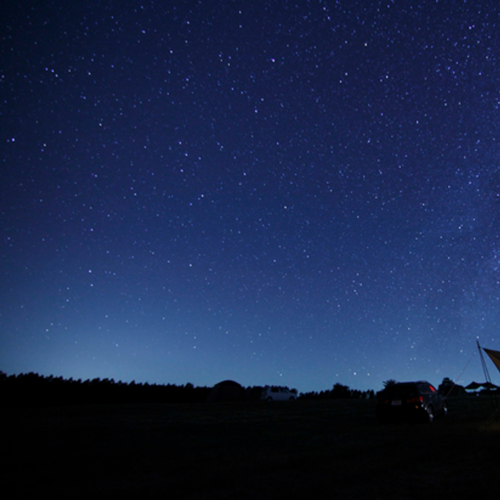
483	362
493	396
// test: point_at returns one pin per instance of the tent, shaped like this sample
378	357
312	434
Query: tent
495	357
474	386
491	388
227	390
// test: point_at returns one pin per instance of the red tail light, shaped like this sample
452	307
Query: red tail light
416	399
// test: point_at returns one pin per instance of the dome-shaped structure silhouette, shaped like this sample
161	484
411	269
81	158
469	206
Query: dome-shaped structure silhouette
227	390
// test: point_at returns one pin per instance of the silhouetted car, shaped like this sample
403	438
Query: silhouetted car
410	401
275	393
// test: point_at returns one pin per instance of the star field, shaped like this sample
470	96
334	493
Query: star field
293	193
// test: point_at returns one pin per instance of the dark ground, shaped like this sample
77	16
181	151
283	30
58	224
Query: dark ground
305	449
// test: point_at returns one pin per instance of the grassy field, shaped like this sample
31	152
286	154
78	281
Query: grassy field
305	449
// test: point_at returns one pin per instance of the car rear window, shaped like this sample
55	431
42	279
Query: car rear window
400	390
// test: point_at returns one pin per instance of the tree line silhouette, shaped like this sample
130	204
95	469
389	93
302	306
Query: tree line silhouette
339	391
34	390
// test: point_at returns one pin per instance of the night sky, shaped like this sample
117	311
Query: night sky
294	193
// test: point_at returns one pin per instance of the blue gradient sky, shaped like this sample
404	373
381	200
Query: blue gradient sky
269	193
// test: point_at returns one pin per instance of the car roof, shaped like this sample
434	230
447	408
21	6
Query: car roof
411	382
405	385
